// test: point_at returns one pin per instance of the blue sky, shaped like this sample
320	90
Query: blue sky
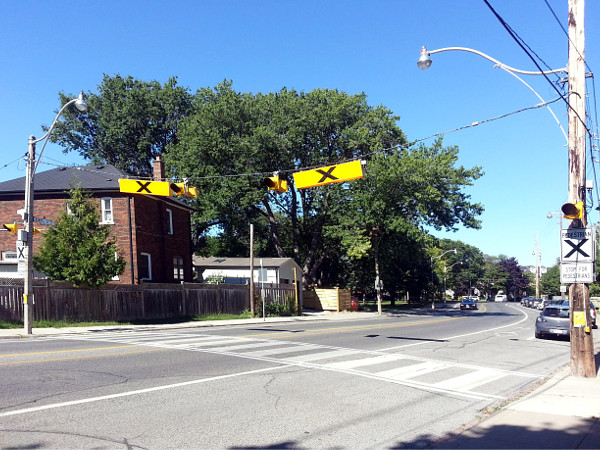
368	46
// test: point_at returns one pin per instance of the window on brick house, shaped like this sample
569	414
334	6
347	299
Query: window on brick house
107	209
169	221
9	256
145	266
177	268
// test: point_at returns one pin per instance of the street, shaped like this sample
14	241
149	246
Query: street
399	380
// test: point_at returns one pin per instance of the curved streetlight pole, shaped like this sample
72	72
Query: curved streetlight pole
433	258
446	271
27	237
425	62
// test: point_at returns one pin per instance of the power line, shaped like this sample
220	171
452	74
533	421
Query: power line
299	169
518	40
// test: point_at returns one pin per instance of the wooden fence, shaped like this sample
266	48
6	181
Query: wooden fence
335	299
121	303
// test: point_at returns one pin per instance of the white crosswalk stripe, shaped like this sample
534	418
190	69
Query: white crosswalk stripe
394	368
413	370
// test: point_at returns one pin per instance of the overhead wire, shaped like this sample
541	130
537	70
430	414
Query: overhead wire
20	158
366	155
593	125
518	40
584	121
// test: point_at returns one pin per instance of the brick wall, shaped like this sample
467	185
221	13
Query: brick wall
148	232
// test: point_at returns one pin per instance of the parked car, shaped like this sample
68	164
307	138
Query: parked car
541	305
593	313
553	321
500	298
468	303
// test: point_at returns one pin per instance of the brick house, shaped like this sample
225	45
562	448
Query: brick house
153	233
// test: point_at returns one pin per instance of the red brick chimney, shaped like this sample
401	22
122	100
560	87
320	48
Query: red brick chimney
158	169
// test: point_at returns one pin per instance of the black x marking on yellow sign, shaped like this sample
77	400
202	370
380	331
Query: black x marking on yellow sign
326	174
144	186
576	248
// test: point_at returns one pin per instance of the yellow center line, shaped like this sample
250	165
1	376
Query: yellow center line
353	328
83	357
66	351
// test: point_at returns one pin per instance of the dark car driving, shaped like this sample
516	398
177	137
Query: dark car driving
468	303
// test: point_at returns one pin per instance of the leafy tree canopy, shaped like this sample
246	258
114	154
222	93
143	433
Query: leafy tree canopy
127	124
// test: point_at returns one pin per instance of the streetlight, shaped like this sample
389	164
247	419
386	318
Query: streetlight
425	62
433	258
582	344
445	271
27	237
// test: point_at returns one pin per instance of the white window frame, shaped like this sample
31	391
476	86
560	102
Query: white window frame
169	221
9	256
148	258
178	268
107	213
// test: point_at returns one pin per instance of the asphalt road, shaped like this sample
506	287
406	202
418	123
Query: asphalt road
396	381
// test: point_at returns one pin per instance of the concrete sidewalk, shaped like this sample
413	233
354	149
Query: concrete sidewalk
563	412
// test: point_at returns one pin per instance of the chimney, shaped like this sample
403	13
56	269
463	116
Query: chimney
158	169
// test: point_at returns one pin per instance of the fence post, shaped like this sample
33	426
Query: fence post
184	299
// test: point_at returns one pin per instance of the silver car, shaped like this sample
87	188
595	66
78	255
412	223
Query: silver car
553	321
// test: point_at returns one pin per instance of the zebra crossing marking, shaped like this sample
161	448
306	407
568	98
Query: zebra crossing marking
358	364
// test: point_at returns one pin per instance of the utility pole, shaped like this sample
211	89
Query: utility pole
537	266
252	269
582	344
28	299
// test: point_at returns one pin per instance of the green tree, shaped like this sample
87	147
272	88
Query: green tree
233	140
467	278
550	281
404	190
517	282
77	248
495	277
128	123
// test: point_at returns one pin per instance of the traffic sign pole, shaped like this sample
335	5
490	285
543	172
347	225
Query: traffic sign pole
582	345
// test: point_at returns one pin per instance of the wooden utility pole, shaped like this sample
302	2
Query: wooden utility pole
582	344
252	269
537	266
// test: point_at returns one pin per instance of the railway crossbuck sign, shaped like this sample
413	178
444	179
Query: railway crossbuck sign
577	255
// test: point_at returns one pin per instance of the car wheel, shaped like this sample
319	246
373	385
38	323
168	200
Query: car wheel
538	335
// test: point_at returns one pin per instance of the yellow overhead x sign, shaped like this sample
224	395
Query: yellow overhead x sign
145	187
330	174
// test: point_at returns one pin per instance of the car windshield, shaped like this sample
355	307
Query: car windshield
556	312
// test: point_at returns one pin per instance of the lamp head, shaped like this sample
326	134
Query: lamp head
80	103
424	61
